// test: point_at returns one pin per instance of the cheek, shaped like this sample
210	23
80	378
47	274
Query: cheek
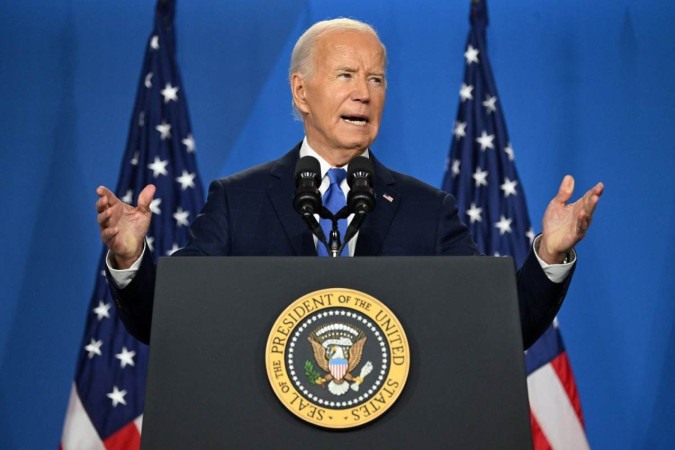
328	106
377	101
377	112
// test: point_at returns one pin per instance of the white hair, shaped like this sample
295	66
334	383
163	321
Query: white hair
302	58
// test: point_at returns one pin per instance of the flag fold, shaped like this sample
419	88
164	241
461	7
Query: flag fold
107	397
481	173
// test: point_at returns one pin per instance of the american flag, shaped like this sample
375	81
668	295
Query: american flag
481	173
107	398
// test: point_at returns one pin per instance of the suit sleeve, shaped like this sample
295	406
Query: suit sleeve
208	236
539	299
210	231
452	236
134	302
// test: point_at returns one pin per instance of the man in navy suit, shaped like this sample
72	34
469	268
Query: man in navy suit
338	84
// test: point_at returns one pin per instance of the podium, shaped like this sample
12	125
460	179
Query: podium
207	380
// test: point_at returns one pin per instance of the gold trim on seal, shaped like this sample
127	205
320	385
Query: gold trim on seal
341	404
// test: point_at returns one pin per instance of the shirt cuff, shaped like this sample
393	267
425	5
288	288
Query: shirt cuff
123	277
555	272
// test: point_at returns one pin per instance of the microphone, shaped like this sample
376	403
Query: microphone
361	198
307	198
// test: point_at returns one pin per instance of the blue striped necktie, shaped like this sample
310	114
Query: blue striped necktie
334	200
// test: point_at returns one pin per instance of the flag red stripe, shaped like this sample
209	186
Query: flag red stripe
562	367
127	438
538	439
93	410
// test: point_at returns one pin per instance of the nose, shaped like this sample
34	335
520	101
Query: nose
361	92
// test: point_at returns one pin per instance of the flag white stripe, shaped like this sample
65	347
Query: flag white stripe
138	421
78	431
554	412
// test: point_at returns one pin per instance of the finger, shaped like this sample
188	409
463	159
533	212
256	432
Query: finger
101	204
595	192
585	216
582	227
108	234
598	189
103	217
103	191
566	189
106	193
592	197
145	197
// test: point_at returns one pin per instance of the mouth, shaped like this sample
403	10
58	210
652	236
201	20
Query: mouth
355	119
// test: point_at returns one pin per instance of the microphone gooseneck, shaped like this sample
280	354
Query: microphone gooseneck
361	197
307	198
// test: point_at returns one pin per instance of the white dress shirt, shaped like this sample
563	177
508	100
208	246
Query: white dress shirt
306	150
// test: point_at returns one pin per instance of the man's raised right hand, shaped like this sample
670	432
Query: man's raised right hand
123	227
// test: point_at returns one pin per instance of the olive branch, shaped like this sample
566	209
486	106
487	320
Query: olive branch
311	372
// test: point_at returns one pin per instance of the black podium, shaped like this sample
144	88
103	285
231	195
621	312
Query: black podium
207	381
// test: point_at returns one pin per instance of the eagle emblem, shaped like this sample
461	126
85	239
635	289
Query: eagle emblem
337	349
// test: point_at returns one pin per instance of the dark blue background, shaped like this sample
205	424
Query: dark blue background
587	87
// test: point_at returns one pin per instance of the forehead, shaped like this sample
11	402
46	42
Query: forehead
349	47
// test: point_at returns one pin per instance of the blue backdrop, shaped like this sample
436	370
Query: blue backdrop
587	89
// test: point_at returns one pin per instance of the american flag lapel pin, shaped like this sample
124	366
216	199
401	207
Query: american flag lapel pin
388	197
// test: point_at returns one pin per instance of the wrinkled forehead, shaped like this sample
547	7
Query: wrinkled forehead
361	46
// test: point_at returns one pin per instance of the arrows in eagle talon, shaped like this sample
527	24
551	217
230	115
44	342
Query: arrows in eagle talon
365	370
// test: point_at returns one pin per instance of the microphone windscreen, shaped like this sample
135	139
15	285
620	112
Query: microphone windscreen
308	164
361	165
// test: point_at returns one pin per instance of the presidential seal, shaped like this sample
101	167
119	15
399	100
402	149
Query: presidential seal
337	358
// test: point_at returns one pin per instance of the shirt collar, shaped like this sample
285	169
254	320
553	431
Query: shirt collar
306	150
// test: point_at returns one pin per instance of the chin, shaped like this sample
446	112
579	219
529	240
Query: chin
358	144
357	147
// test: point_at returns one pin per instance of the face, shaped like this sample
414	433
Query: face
342	100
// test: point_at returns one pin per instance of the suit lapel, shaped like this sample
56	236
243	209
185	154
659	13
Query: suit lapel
280	193
375	227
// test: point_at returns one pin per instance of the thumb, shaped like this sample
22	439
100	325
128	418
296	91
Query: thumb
145	197
566	189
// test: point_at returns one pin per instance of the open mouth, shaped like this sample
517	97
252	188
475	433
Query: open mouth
357	120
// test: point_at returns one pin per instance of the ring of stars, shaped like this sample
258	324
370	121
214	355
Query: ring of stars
347	315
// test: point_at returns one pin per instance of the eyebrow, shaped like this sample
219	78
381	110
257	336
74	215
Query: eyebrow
346	69
353	70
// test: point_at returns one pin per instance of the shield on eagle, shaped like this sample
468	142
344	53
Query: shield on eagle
338	368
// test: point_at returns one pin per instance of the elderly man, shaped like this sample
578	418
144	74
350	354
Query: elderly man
338	83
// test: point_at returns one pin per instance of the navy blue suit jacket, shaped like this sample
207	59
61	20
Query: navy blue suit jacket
251	214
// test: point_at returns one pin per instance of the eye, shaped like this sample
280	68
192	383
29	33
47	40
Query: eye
345	75
378	81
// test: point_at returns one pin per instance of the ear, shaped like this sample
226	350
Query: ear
299	92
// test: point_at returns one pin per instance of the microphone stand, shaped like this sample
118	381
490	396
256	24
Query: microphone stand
334	245
334	240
